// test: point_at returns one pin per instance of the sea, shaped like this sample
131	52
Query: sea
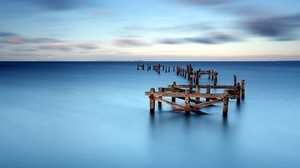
96	115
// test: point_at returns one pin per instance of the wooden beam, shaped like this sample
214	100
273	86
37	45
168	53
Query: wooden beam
208	103
180	94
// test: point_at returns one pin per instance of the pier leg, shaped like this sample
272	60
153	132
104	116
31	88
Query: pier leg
191	83
207	91
243	89
238	95
225	103
234	80
187	102
173	90
159	103
215	78
152	101
197	91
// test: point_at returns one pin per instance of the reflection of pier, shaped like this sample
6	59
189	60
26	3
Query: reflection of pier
193	98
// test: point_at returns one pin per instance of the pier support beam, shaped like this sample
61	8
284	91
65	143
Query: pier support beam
197	91
152	100
243	89
159	103
238	94
207	91
215	74
234	80
187	102
225	103
173	90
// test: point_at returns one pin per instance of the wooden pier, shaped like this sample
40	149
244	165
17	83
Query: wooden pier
192	94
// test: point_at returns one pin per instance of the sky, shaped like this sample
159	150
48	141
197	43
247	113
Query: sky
135	30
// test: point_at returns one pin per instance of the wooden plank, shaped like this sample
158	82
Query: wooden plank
204	86
177	105
182	94
209	103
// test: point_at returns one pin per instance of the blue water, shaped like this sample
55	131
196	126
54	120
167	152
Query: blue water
95	114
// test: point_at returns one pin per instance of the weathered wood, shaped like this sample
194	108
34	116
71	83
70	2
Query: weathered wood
173	90
208	103
207	92
180	107
234	80
140	66
204	86
159	103
238	94
197	91
187	102
182	94
225	103
215	78
152	100
243	89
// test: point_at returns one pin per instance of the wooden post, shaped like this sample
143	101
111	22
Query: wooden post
238	94
187	101
159	103
158	68
209	73
215	78
243	89
207	91
197	91
152	100
234	80
173	90
191	83
197	78
225	103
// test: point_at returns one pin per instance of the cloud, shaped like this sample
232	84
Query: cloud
87	46
214	38
7	34
44	40
129	43
55	46
204	2
50	5
171	41
14	40
278	28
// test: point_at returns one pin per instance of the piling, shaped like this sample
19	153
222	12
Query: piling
152	100
225	103
207	92
238	94
243	89
215	74
234	80
197	91
160	90
173	90
187	102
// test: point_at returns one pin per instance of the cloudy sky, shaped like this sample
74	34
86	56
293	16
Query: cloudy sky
149	30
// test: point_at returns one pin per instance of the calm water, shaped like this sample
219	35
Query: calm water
96	115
